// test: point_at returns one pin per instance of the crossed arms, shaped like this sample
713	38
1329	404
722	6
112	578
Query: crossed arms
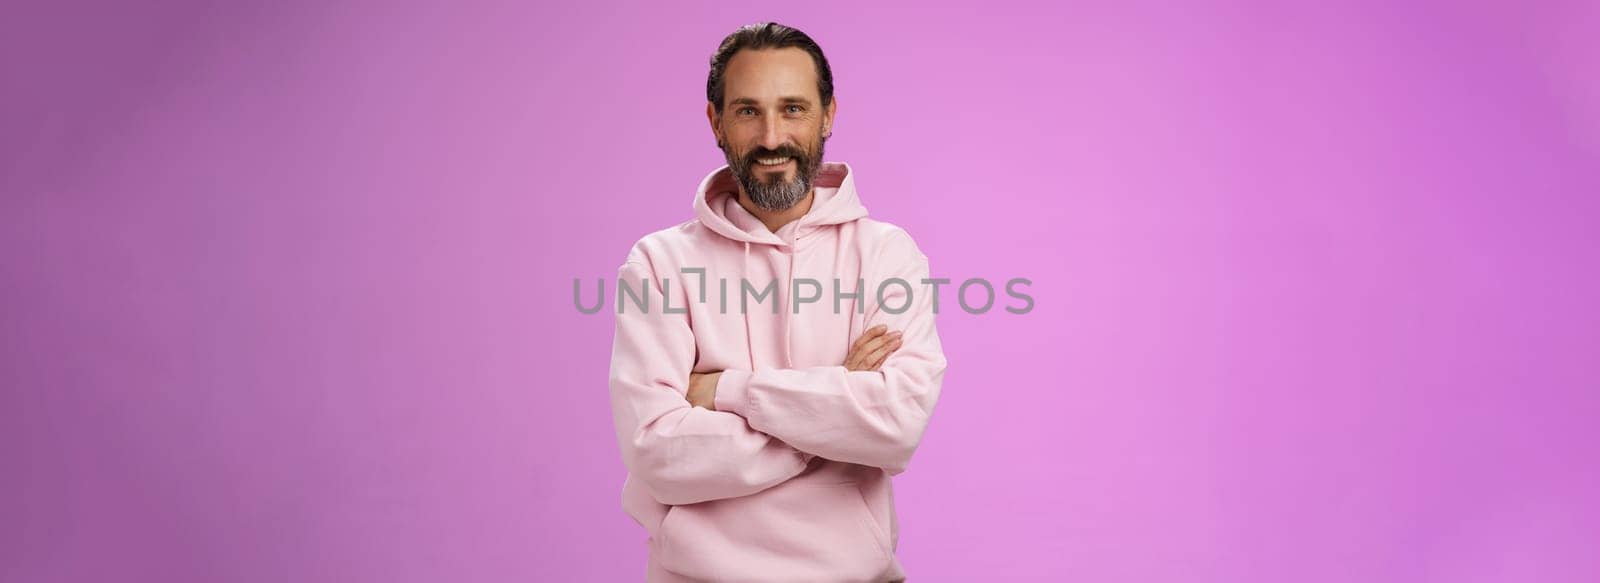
692	438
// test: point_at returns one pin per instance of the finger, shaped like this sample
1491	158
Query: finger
864	344
860	357
882	357
883	352
870	346
876	364
869	334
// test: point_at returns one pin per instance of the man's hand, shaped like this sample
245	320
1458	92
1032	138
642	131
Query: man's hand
703	389
872	348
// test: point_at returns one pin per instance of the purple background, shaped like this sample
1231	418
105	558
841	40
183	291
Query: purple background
287	289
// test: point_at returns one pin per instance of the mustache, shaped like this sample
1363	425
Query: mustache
785	151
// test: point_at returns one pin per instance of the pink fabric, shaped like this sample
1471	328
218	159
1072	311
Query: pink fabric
789	479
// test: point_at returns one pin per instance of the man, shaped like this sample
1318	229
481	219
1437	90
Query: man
759	415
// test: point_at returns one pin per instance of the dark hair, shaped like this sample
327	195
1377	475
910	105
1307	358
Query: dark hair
766	35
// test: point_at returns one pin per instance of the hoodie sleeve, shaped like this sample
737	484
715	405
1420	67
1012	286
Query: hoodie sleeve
873	418
682	453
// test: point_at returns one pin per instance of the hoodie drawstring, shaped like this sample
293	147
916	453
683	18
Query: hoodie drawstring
788	359
749	349
749	344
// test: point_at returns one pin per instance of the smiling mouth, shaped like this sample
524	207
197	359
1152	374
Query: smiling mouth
773	162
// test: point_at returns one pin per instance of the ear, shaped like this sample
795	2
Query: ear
711	117
827	117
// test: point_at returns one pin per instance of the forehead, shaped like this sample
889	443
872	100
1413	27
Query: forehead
769	75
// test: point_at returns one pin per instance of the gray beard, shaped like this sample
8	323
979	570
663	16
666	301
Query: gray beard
776	197
782	195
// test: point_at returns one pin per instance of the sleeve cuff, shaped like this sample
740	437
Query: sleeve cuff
733	392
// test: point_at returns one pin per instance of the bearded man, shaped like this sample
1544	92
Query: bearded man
760	436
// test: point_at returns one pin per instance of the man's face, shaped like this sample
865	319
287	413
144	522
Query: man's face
772	127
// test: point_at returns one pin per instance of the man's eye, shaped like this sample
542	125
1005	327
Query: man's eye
796	109
747	111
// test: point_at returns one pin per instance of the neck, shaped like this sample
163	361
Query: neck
777	219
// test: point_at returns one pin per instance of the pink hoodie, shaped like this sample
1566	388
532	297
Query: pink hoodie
788	480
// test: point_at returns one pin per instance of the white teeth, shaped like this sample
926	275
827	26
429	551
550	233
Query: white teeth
771	161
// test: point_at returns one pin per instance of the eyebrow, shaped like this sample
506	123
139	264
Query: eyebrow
787	99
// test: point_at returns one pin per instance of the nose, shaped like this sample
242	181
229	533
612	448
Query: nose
772	134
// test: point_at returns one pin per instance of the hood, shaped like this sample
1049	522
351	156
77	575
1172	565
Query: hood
716	203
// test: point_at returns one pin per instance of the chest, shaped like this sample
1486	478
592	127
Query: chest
782	307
